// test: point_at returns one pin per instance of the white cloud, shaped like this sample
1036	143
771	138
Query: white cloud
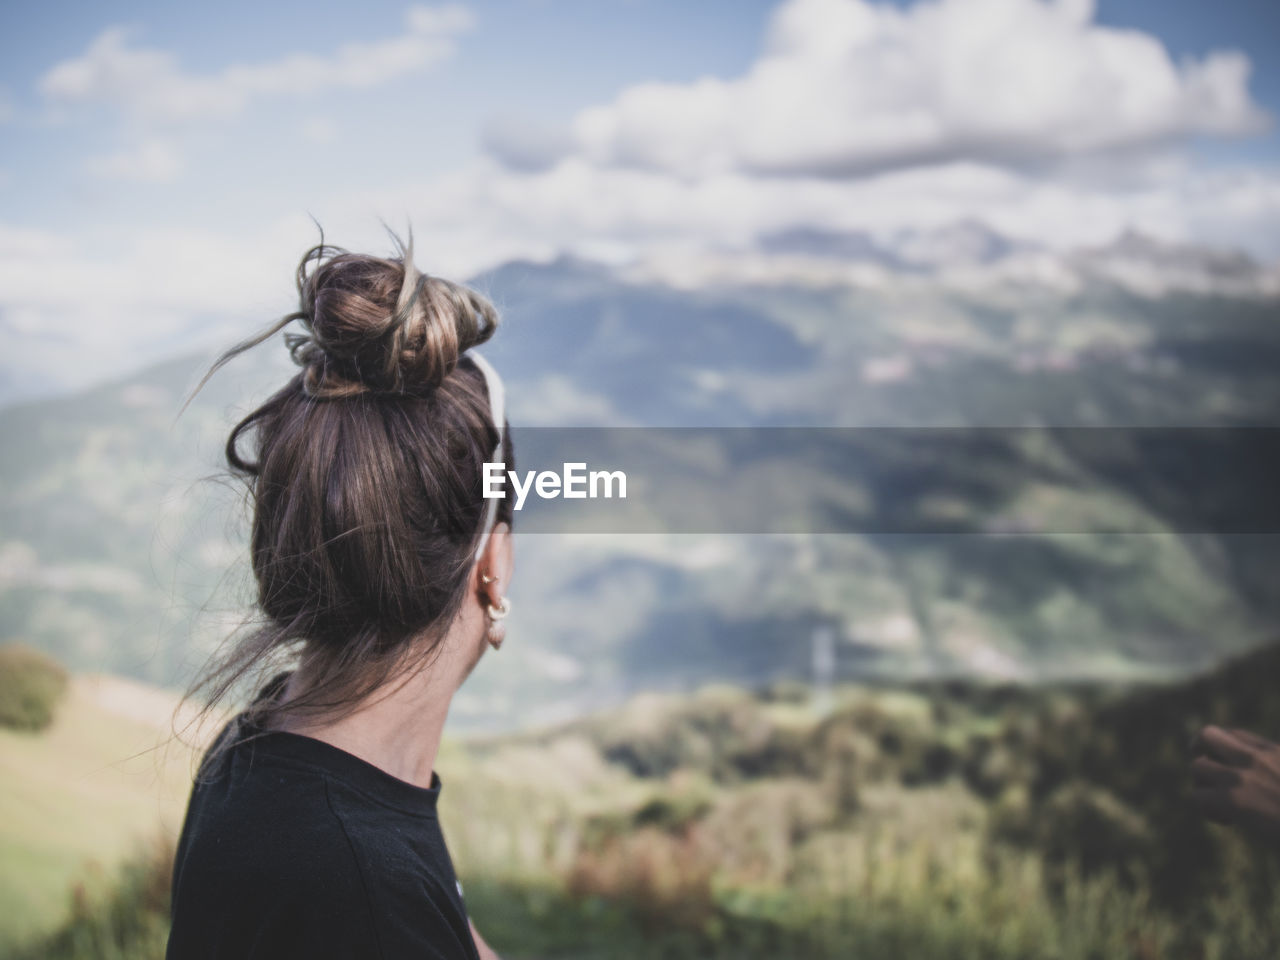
152	86
487	214
321	130
847	87
153	161
936	108
80	308
143	293
1024	115
524	144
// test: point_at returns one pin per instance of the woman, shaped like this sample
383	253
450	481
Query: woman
311	830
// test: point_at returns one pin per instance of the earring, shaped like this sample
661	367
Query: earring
497	629
486	579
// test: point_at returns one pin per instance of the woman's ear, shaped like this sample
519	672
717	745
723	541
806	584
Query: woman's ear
497	564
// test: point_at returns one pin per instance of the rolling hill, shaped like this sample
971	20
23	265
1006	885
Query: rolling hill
120	549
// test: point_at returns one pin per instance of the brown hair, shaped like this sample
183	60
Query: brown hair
365	481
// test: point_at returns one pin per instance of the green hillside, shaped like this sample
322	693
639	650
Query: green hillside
83	795
955	820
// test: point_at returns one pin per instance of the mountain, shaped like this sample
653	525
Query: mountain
122	549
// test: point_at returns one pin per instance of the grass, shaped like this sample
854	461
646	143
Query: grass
951	822
938	822
84	792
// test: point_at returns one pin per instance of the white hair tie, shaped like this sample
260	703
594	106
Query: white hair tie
497	406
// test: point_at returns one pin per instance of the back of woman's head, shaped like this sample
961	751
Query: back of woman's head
365	476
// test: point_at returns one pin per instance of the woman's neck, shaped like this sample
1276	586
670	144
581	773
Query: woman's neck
398	729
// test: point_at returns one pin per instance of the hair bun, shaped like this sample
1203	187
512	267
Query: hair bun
379	325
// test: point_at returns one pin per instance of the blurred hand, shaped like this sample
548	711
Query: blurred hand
1236	780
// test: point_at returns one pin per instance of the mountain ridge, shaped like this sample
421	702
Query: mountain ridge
116	554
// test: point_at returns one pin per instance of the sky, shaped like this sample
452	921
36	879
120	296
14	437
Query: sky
160	164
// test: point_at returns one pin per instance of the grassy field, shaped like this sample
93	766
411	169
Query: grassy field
943	822
80	797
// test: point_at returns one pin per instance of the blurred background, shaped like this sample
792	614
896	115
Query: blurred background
829	213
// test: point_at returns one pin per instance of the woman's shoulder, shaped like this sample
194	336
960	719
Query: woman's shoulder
263	870
275	790
294	827
262	854
298	815
251	802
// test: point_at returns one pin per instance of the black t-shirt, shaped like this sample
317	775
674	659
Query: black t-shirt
295	848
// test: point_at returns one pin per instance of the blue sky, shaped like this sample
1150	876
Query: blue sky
538	57
169	155
542	59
